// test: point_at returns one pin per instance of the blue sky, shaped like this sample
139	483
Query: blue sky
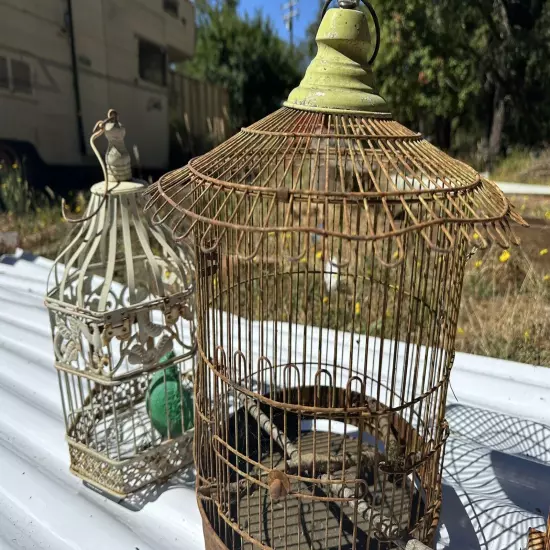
272	8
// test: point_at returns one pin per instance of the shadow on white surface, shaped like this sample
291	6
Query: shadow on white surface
12	259
184	479
497	480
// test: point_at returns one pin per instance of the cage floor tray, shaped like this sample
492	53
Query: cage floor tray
124	434
297	523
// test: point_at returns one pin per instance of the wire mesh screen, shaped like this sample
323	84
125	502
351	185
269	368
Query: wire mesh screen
330	258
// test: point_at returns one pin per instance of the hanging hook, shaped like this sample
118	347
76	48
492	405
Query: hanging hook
352	4
99	129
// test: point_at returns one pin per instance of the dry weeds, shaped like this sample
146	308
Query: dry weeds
505	309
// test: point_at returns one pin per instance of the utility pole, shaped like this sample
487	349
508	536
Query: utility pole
290	12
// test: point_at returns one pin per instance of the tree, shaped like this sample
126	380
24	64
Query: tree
479	66
420	71
246	56
516	73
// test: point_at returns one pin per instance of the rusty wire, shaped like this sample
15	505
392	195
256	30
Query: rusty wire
330	258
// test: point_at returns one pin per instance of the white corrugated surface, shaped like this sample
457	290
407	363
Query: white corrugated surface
493	493
523	189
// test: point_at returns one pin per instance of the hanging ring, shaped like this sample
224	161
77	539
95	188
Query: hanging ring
350	4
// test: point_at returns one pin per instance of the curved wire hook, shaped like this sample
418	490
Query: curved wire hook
352	4
99	129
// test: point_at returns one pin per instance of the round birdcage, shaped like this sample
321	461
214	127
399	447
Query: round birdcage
121	302
331	243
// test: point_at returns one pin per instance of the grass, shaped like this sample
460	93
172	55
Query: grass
40	231
532	206
34	215
505	310
521	166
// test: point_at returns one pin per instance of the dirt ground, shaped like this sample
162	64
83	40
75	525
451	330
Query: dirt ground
535	239
536	211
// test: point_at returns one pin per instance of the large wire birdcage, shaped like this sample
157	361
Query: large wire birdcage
121	303
331	243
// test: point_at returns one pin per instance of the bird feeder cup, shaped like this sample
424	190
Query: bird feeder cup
331	243
121	304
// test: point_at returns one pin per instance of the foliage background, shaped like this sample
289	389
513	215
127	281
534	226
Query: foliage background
247	57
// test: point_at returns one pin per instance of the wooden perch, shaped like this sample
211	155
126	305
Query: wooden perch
374	517
323	463
412	544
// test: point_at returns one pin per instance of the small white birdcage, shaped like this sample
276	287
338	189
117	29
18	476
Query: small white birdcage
121	303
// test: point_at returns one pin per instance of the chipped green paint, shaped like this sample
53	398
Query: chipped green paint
339	79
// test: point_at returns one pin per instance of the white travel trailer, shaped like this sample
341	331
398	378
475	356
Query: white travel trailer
64	63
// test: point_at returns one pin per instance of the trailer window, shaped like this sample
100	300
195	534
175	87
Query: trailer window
152	63
172	7
21	76
4	77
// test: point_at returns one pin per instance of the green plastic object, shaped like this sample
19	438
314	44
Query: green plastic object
167	398
340	79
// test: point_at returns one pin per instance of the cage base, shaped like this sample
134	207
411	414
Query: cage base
121	479
333	525
417	516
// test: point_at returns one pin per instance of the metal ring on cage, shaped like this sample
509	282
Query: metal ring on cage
369	6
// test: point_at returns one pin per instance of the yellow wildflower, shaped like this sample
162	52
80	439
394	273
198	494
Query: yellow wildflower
325	300
319	255
77	209
478	264
476	236
526	335
460	330
15	165
396	254
504	257
547	215
271	234
543	252
357	308
286	236
303	260
546	278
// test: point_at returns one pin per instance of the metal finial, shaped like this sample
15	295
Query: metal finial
117	158
348	4
330	84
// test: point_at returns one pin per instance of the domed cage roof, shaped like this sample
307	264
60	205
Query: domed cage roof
333	162
116	260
